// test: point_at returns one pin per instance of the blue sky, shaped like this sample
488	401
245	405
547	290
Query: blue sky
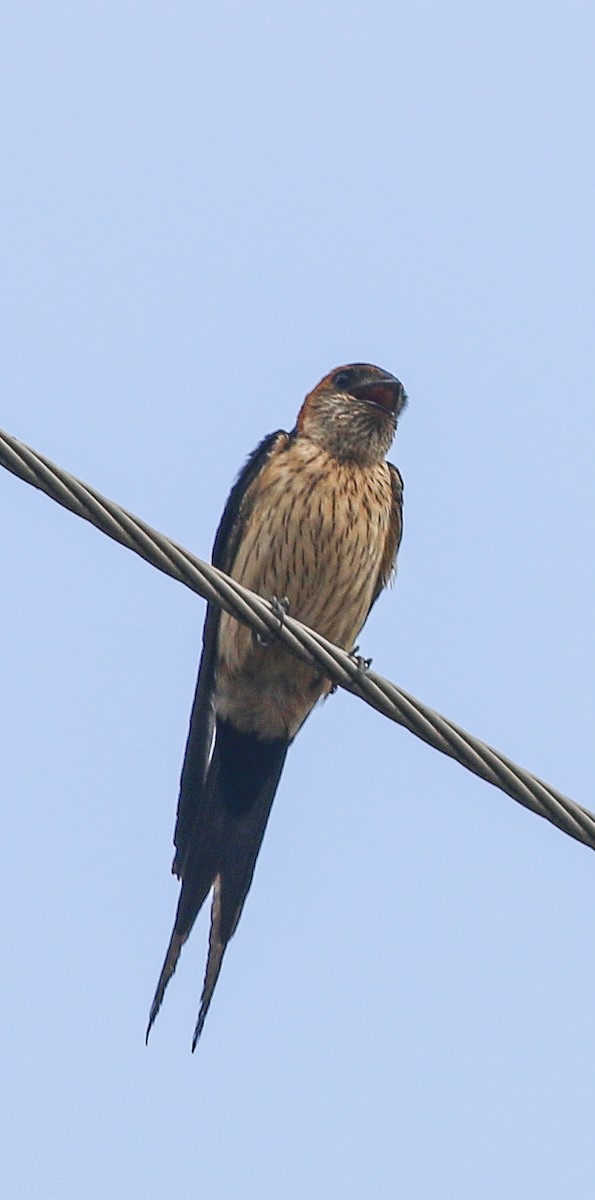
205	209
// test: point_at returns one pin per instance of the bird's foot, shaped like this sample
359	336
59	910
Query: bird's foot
280	609
362	664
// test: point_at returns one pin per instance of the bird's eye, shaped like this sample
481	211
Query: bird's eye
342	380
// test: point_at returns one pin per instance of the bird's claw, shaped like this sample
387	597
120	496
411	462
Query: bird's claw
362	664
280	609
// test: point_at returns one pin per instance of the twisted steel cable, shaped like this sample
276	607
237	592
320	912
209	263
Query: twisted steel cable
266	620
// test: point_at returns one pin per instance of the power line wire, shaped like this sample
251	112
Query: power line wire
264	618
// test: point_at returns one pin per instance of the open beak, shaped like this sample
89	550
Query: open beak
387	394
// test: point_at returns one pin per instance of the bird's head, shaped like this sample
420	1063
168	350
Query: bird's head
352	413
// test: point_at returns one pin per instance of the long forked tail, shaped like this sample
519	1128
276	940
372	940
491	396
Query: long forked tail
242	779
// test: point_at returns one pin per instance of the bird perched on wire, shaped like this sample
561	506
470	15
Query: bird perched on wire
314	520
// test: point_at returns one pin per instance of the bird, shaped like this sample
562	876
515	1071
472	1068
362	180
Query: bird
313	521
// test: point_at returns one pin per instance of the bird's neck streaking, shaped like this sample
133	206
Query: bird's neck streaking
350	430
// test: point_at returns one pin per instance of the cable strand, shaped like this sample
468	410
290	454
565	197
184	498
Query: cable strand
343	669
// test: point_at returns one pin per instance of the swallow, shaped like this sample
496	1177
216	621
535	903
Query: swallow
315	518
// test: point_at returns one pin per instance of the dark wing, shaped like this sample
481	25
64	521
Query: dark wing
229	532
202	718
394	535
